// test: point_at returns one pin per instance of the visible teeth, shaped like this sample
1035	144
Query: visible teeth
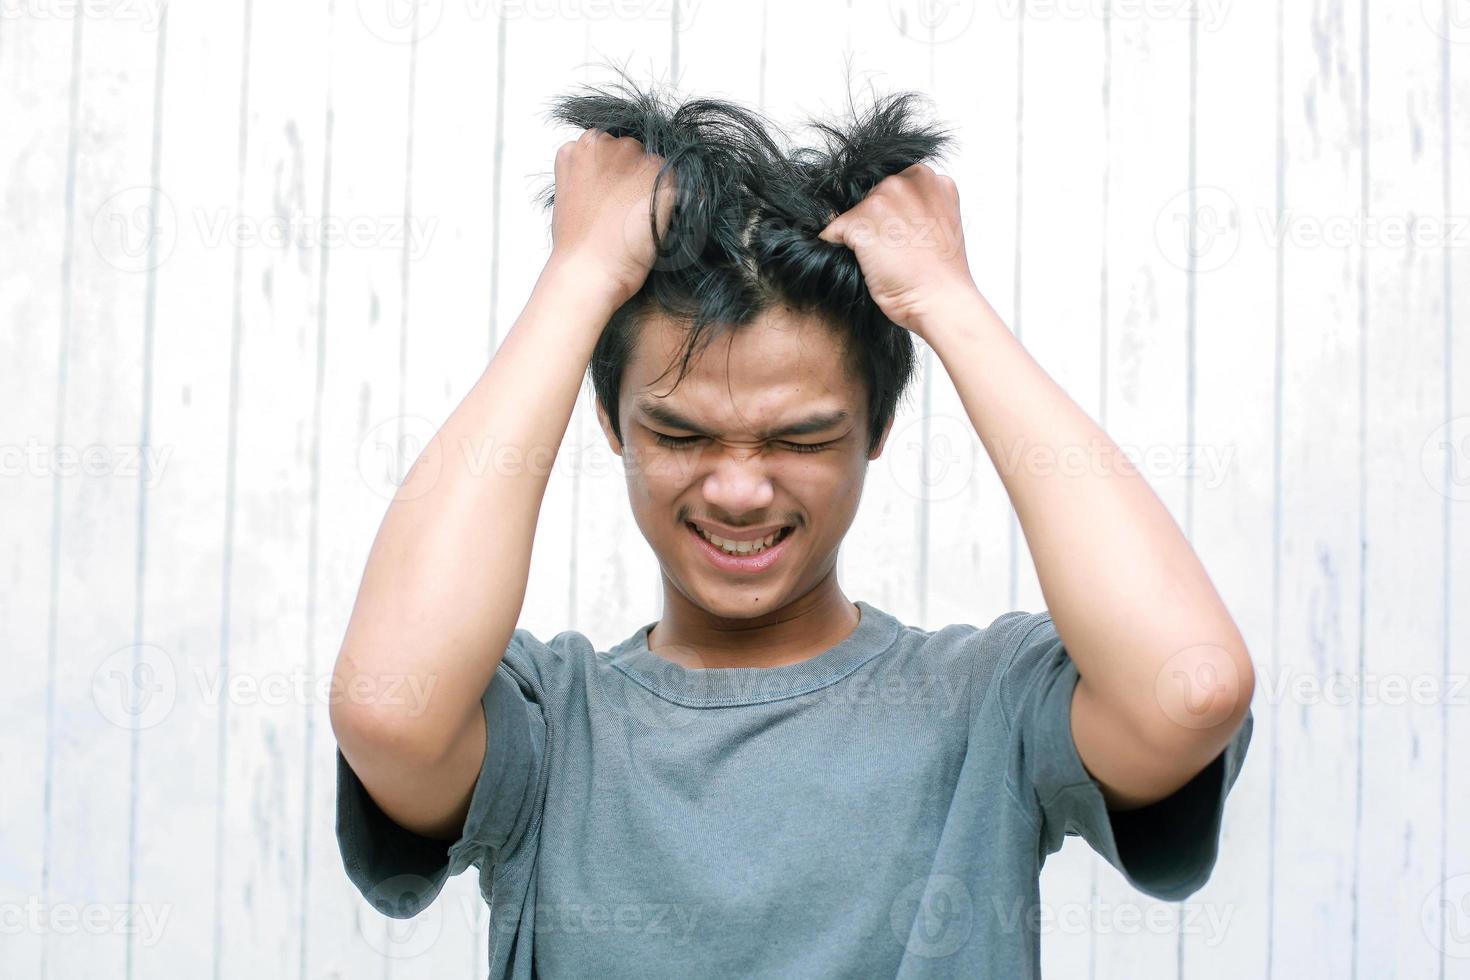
739	547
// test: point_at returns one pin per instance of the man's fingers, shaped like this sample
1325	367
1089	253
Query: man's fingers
833	232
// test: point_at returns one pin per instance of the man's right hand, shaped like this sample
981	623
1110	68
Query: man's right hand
599	221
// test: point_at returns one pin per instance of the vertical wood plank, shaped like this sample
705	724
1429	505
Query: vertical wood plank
1233	476
541	54
973	62
1315	769
447	251
359	103
613	584
99	696
1403	239
1148	344
37	75
1447	923
178	774
1059	318
272	390
891	537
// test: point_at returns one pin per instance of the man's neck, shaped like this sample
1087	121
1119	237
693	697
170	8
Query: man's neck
691	636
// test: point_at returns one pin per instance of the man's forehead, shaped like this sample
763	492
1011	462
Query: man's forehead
782	372
774	347
778	331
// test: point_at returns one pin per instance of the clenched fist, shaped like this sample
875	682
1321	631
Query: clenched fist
600	215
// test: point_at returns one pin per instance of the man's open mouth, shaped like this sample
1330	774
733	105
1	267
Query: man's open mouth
743	549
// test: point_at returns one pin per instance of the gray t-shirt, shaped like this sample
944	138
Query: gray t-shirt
880	810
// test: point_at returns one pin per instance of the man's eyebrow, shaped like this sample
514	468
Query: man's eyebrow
820	422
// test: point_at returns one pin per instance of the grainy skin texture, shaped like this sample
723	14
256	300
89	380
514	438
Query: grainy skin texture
1157	702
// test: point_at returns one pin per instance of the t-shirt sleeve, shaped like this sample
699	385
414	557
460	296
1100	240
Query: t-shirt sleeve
399	871
1167	849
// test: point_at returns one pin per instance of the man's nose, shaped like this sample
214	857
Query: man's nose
738	481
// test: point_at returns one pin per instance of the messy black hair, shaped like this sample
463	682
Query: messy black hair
742	235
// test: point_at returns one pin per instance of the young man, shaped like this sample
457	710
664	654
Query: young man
771	779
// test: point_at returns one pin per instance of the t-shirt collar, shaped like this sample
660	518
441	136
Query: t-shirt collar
713	687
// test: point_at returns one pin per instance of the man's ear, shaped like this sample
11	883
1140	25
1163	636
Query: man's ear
607	430
883	439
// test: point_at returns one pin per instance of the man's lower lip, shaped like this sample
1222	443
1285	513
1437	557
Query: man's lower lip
734	563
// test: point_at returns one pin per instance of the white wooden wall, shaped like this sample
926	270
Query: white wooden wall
202	421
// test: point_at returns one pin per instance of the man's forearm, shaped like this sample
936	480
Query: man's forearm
446	575
1131	601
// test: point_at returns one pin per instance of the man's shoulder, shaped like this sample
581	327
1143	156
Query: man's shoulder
547	660
984	651
994	641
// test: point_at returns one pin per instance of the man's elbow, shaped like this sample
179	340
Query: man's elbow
369	724
1202	697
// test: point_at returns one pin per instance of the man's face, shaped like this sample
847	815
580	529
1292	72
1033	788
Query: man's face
736	468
